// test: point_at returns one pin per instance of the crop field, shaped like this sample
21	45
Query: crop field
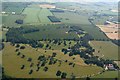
31	18
43	16
13	7
14	71
9	20
72	18
111	30
105	49
51	32
39	15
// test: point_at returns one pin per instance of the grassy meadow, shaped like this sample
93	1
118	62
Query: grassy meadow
108	74
105	49
14	70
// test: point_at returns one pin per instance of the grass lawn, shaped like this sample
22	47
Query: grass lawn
105	49
12	64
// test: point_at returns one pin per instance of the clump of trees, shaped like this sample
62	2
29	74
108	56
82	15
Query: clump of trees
19	21
45	69
62	74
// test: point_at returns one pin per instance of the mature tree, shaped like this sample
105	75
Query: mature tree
58	73
23	66
22	47
29	59
71	54
45	69
17	46
31	71
54	54
38	68
31	65
63	75
16	50
18	53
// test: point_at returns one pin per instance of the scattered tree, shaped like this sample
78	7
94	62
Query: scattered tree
58	73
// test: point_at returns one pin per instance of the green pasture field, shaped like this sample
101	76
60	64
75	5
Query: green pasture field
31	15
16	7
107	74
51	32
72	18
9	55
38	16
43	16
9	20
105	49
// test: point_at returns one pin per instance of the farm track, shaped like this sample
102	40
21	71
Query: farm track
38	16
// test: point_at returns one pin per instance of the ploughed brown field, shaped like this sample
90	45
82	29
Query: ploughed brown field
111	30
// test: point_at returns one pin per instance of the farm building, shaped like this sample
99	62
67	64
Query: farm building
3	12
47	6
13	13
109	67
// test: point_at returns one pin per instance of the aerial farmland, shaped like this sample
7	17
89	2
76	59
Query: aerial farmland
59	40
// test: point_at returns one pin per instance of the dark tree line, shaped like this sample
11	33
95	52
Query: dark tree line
15	35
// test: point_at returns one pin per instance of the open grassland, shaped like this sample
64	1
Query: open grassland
105	49
13	62
9	20
52	32
107	74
